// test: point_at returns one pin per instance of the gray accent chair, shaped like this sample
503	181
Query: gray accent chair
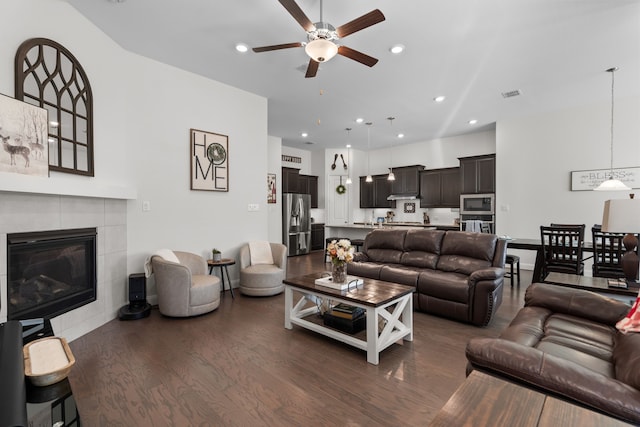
263	279
185	289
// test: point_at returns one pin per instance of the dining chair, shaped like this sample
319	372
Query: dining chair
608	250
562	248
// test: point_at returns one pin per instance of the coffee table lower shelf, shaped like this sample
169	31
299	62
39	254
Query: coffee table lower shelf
398	322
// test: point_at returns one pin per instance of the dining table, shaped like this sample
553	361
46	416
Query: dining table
536	245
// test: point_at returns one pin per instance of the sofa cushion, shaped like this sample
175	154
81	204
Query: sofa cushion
398	273
422	248
447	286
464	252
626	358
365	269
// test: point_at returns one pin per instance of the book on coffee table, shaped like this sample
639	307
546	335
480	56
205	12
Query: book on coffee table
617	283
346	311
352	281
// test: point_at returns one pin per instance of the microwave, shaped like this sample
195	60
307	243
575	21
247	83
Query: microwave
477	204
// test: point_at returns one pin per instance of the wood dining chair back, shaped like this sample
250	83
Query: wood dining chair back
607	253
562	248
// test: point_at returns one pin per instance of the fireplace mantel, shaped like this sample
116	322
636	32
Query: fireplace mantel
63	186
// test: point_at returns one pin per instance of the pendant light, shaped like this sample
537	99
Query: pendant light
612	184
349	182
368	178
391	176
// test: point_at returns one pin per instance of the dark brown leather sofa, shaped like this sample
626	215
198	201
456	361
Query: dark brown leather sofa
564	343
456	274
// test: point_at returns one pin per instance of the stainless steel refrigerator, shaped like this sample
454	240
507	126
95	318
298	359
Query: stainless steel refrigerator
296	223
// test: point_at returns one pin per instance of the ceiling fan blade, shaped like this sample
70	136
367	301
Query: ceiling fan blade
276	47
357	56
297	13
366	20
312	69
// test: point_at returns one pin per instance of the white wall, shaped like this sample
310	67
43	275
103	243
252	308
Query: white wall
173	102
143	111
536	154
274	210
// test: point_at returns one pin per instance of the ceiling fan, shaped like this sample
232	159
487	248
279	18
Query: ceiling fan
322	37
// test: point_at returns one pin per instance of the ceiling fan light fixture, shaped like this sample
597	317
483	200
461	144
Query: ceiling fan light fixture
321	50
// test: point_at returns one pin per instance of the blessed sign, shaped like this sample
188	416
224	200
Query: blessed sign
590	179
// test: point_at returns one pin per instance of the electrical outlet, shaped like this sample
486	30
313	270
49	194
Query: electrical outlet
253	207
146	206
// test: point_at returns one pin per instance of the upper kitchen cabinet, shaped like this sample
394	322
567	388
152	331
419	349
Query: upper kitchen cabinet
440	188
290	178
374	194
478	174
294	182
308	184
407	182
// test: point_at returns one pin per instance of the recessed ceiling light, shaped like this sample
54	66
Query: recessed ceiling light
473	121
304	134
396	49
359	120
242	48
439	98
401	135
348	145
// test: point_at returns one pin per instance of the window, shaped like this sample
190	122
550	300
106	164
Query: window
49	76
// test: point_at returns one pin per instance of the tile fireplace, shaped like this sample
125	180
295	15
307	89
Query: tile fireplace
50	272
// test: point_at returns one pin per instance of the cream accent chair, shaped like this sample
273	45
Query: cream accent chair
263	279
185	289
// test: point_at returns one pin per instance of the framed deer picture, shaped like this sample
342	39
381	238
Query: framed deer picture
23	133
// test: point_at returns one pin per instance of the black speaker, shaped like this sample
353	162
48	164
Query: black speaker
138	306
137	289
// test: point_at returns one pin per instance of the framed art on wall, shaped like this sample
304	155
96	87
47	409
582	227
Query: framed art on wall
23	133
209	161
587	180
271	188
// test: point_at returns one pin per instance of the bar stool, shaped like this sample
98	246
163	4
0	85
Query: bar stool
357	243
511	260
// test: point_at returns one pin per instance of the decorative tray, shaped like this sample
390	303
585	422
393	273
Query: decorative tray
47	360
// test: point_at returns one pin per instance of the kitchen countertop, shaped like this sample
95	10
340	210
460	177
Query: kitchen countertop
362	225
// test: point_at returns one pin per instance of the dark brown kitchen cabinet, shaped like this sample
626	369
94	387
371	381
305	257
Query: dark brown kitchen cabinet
407	180
382	190
290	178
450	188
308	184
294	182
374	194
366	193
478	174
317	237
440	188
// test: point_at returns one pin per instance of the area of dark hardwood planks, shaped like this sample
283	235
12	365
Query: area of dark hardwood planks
239	366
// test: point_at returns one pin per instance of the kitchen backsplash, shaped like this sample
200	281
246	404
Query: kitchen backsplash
438	216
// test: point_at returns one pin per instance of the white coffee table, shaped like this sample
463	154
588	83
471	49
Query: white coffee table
381	300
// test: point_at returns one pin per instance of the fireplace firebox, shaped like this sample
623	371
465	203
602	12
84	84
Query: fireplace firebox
50	272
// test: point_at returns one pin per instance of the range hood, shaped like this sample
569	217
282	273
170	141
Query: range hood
411	196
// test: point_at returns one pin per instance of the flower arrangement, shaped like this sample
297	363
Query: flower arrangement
340	251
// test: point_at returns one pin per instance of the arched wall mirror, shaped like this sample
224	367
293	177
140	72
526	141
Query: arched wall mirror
49	76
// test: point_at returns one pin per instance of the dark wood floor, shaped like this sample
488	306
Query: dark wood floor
238	366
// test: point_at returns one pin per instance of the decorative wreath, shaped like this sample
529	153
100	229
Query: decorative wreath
341	189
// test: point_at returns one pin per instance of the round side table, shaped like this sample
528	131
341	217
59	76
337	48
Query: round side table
222	264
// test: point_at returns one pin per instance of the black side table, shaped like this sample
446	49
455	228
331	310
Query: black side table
222	264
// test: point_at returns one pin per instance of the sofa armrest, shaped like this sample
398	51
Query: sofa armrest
360	257
491	273
576	302
553	374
